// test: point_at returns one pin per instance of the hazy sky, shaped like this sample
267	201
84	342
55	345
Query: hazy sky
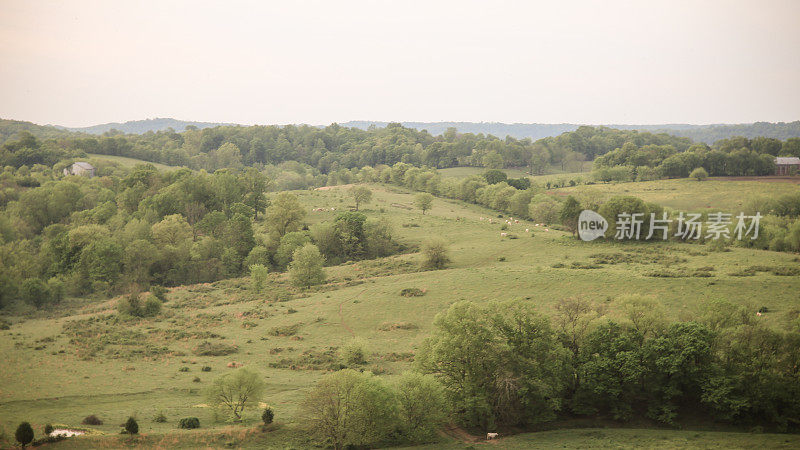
79	63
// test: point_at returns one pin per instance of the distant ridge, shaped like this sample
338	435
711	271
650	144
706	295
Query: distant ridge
143	126
698	133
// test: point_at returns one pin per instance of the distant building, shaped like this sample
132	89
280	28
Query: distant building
80	168
787	165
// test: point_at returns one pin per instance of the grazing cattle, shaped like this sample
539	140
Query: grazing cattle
491	436
503	234
516	221
546	229
527	230
758	314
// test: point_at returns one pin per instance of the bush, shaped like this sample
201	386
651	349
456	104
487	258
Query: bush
189	423
183	369
48	429
435	253
160	417
131	305
131	426
699	174
206	369
24	434
258	277
412	292
92	420
159	292
353	353
267	416
207	348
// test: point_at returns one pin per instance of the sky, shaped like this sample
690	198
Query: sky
80	63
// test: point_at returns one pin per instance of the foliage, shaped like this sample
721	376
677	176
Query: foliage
305	270
258	277
361	194
350	408
354	352
423	406
423	201
91	420
189	423
699	174
131	426
435	254
24	434
267	416
233	391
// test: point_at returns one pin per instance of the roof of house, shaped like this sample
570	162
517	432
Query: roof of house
784	160
84	165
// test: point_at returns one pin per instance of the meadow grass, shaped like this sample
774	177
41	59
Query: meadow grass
130	162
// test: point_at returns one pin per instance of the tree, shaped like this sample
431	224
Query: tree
569	214
699	174
288	244
423	201
435	252
233	391
255	185
284	214
361	195
422	405
131	426
267	416
258	277
305	270
24	434
495	176
350	408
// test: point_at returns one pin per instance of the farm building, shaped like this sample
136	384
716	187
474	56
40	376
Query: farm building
787	165
80	168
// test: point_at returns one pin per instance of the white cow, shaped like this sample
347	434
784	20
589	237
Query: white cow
503	234
490	436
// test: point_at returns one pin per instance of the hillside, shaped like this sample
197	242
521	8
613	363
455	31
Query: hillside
146	366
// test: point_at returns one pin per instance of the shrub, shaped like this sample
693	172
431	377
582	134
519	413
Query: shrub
92	420
435	253
699	174
131	426
189	423
412	292
267	416
285	330
24	433
206	369
4	324
196	380
131	305
353	353
207	348
159	292
48	429
183	369
160	417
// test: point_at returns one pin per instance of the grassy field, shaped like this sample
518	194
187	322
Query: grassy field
78	360
554	173
714	194
129	162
